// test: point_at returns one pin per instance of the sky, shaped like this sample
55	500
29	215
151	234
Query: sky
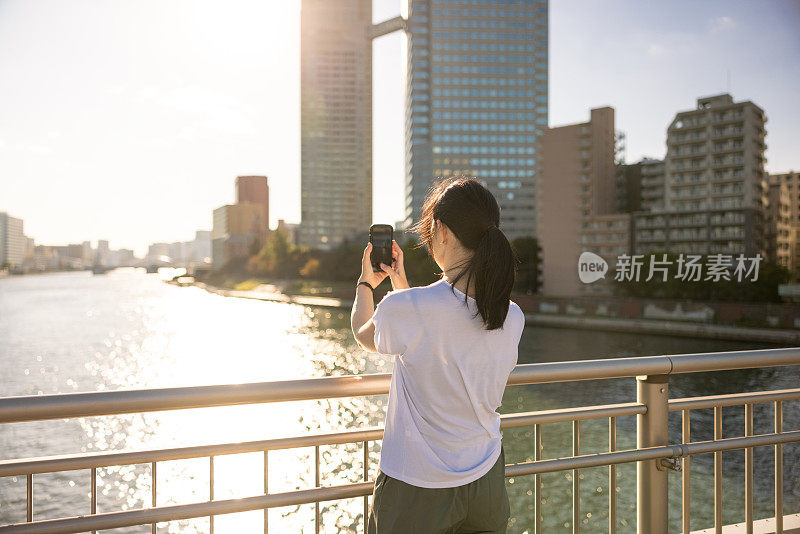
129	121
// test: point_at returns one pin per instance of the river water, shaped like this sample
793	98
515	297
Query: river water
69	332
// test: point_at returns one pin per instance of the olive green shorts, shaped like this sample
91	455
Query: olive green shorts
480	506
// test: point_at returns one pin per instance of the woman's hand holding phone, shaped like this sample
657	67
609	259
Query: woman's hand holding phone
397	271
368	275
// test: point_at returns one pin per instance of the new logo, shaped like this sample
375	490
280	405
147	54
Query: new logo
591	267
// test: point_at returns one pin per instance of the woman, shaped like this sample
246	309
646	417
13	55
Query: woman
455	341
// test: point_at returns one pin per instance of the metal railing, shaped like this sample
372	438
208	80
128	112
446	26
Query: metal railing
653	453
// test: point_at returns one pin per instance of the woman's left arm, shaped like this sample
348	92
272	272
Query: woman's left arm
364	304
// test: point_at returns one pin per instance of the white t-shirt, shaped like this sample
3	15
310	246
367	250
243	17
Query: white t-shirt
442	426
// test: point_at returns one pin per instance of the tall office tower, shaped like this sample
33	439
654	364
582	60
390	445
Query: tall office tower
476	100
336	120
13	243
253	189
577	201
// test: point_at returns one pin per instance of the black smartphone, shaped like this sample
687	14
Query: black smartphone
380	235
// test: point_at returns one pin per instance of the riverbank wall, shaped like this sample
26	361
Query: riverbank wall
572	313
668	328
750	314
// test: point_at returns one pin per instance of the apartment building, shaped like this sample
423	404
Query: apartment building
13	243
715	192
577	202
777	226
653	188
791	181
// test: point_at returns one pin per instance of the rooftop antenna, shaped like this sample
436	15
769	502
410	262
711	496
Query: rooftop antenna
620	147
729	81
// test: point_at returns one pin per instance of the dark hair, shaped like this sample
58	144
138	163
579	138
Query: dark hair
471	212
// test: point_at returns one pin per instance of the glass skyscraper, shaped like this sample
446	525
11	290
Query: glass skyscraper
476	100
336	121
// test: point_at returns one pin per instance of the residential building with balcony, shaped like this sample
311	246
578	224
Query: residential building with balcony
577	201
777	226
715	192
791	180
689	232
652	190
640	186
608	236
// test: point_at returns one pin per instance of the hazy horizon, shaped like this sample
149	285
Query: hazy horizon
129	122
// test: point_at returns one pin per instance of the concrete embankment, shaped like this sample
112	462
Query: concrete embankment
607	324
306	300
667	328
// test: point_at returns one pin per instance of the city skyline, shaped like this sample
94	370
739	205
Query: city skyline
175	117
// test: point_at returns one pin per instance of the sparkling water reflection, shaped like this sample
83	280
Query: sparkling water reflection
78	332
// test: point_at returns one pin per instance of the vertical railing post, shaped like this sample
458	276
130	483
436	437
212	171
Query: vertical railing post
652	496
537	481
576	481
718	472
316	485
366	479
211	491
748	471
778	470
93	474
612	477
686	491
154	495
266	489
30	497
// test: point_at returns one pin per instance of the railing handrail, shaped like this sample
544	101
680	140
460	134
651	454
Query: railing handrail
317	494
69	405
87	460
176	512
733	399
653	452
68	462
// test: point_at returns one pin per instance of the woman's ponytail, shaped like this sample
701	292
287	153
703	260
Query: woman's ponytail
494	269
